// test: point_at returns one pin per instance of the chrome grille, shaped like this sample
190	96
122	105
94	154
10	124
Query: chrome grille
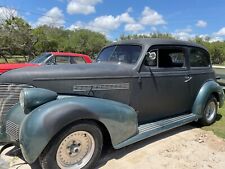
12	130
9	96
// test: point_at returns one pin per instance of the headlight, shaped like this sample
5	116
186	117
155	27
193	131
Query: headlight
31	98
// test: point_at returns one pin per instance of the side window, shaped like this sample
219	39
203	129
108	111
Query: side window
62	59
171	58
76	60
50	61
199	58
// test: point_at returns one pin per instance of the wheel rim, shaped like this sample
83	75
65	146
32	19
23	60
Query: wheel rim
76	150
210	111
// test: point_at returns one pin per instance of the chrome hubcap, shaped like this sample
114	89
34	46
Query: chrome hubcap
76	150
210	111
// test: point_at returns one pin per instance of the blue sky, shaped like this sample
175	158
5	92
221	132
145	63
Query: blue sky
183	19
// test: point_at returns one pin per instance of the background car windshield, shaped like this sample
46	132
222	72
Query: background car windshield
41	58
120	53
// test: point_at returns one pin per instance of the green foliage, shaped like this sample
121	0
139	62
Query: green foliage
218	126
152	35
18	38
78	41
15	37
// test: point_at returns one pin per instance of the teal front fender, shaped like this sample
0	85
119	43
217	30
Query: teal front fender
209	88
43	123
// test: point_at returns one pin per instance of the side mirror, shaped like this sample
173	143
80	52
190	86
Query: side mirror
151	59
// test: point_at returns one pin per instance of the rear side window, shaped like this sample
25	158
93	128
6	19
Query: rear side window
62	59
199	58
76	60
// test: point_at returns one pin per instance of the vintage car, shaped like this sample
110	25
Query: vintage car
49	58
61	116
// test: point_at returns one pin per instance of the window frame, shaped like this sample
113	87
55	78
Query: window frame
189	56
157	68
118	45
56	63
75	58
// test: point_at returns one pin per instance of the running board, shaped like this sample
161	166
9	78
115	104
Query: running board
151	129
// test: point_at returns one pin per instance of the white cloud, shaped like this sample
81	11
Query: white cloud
54	17
130	9
151	17
221	32
134	27
82	6
7	13
211	38
106	23
201	24
216	39
184	34
126	18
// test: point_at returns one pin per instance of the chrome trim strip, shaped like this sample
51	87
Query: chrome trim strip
100	87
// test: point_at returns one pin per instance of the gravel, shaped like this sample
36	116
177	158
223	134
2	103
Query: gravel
182	148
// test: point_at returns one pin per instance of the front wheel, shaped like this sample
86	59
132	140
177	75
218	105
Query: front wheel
78	147
210	112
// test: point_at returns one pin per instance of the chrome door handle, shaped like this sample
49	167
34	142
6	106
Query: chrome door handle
187	79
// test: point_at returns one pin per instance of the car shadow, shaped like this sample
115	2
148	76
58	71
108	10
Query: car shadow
111	153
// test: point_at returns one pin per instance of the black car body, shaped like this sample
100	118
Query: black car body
136	89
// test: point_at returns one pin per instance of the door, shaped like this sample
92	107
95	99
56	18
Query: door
200	69
162	89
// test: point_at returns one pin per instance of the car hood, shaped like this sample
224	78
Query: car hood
31	75
7	67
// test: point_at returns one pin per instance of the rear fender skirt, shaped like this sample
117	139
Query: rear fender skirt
43	123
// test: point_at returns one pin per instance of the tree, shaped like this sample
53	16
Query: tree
45	40
151	35
86	42
16	37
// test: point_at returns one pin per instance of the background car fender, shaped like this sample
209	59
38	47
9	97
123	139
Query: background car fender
209	88
43	123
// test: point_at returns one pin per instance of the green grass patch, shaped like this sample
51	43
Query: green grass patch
219	126
13	59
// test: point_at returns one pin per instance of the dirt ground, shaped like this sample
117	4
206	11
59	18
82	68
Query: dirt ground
182	148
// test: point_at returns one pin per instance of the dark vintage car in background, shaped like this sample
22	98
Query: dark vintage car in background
49	58
61	116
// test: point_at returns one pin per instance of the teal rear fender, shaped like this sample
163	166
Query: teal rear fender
43	123
209	88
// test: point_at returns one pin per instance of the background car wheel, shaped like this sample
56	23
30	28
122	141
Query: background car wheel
78	147
210	112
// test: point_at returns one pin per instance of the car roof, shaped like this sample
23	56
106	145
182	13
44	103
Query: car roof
68	54
158	41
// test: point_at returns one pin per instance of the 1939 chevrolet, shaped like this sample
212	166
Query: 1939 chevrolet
61	116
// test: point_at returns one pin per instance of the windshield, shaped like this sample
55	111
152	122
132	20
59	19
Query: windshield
120	53
41	58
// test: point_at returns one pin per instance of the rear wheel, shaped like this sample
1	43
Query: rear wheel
77	148
210	112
